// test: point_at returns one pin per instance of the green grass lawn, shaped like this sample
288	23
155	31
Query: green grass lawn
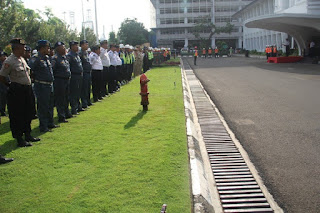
111	158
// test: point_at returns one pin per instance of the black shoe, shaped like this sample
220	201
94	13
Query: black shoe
90	104
3	114
97	100
29	138
82	109
53	126
5	160
23	143
75	113
101	98
63	121
46	130
69	116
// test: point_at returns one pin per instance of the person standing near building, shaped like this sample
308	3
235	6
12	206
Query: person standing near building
19	93
105	73
209	52
204	53
274	51
195	55
216	52
3	88
61	84
97	76
43	85
76	77
86	83
230	52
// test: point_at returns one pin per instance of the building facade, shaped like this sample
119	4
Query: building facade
271	22
175	20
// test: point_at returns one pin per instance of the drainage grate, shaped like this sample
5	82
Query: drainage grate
236	185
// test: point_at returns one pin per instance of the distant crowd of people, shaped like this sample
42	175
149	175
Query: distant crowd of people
33	82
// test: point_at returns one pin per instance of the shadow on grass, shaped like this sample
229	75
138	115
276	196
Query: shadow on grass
11	145
134	120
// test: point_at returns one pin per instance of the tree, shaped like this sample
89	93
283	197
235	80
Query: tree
132	32
205	26
90	37
112	38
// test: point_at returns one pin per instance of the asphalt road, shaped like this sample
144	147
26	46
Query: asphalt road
274	110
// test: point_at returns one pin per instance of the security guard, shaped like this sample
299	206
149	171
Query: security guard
112	69
195	55
43	85
19	94
86	83
105	73
61	73
97	68
76	77
3	88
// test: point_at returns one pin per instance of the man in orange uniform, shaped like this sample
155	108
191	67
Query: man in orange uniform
210	52
195	55
216	52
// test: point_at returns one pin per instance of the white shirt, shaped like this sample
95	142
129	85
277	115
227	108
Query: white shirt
119	61
95	61
104	57
113	58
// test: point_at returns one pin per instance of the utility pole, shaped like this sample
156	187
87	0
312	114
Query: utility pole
83	23
95	7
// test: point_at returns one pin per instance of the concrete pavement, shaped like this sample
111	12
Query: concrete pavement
274	110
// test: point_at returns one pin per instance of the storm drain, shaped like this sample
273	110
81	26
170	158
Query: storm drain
236	185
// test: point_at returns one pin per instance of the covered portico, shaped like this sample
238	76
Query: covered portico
302	27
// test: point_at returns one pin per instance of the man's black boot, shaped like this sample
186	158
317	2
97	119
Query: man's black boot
23	143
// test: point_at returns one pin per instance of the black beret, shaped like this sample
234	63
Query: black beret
18	41
84	42
73	43
59	43
43	43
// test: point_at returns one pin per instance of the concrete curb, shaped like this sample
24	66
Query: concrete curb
205	198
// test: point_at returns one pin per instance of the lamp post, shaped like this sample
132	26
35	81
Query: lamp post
95	8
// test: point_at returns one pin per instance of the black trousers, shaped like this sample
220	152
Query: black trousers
61	96
20	109
195	60
97	84
104	81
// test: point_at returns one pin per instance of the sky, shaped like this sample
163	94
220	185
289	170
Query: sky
110	12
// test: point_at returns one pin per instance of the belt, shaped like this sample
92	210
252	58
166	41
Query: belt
19	85
43	82
77	73
58	77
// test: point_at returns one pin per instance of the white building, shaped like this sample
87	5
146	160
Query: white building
175	20
269	22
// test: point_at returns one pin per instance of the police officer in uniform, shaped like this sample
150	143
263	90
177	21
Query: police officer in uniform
19	94
105	73
43	85
86	83
112	69
76	78
61	73
3	88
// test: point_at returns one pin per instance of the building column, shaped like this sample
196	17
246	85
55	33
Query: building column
213	42
186	42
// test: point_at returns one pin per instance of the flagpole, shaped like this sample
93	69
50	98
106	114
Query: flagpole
95	6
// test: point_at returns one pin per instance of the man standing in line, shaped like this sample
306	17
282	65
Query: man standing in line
61	72
76	78
112	69
3	88
287	45
43	86
19	93
105	73
97	68
86	83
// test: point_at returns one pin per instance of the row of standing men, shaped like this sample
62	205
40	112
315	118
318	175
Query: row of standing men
63	79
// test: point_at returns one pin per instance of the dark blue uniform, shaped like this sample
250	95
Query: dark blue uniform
43	87
75	81
62	74
86	83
